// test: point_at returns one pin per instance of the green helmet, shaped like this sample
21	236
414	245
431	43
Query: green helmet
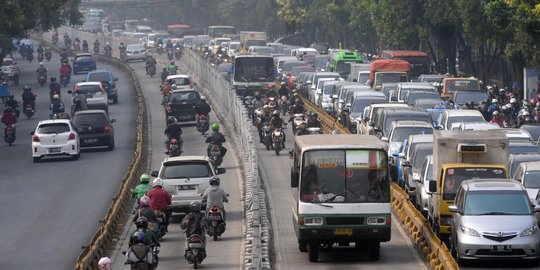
145	178
215	126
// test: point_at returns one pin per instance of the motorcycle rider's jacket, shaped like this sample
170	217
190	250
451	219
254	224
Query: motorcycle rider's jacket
64	70
39	49
147	212
56	105
277	122
140	190
297	108
194	223
150	60
9	118
174	131
283	91
159	198
216	138
172	68
271	93
12	103
214	195
41	69
168	45
203	108
258	103
28	97
313	123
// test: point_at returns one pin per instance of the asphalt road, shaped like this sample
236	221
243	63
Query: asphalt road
226	252
52	208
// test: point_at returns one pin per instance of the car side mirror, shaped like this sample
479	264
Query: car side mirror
154	173
453	209
294	179
115	79
194	84
113	121
432	186
221	171
384	139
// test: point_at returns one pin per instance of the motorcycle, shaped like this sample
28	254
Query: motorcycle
202	124
30	57
40	57
214	154
298	119
284	105
152	70
177	53
55	39
267	136
161	230
215	222
170	53
96	49
272	104
64	79
9	134
28	110
160	49
174	149
196	251
277	138
142	257
48	56
108	51
42	79
85	48
77	45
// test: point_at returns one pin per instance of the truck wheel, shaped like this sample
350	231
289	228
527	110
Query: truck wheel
374	252
302	246
313	252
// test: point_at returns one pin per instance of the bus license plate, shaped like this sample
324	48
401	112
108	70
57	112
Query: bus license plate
343	232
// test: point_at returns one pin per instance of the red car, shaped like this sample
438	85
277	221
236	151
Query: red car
291	76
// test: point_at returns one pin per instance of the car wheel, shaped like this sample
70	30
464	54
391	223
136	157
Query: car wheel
111	145
76	157
374	252
302	246
313	252
115	99
36	159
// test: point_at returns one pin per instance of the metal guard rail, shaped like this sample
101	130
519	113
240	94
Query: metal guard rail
415	224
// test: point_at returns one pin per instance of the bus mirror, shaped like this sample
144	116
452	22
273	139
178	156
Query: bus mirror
432	186
294	179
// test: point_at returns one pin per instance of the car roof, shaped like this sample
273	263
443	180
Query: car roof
90	112
419	138
531	165
186	158
479	124
339	141
179	76
52	121
87	83
415	85
451	113
184	90
361	94
410	123
100	71
390	105
83	54
491	185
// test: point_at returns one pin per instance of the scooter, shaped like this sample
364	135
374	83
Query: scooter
174	149
96	49
108	51
42	79
196	251
284	104
30	57
160	49
28	110
214	153
40	57
298	119
215	222
202	124
170	53
9	134
277	138
152	71
177	53
141	256
64	79
48	56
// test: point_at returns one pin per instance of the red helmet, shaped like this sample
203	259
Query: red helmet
174	141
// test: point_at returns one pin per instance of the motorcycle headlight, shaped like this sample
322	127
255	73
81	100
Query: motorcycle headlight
469	231
530	231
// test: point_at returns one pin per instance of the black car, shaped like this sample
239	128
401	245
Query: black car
182	105
94	128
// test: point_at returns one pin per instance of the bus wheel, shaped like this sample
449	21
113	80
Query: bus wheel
374	252
302	246
313	252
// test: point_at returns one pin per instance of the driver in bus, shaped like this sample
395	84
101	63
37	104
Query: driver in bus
310	183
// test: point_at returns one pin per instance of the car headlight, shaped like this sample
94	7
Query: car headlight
530	231
313	221
469	231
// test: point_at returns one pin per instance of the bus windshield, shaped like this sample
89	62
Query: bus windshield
345	176
220	31
254	69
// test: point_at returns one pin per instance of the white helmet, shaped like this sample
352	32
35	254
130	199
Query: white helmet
105	264
173	86
513	100
157	182
107	43
494	100
56	96
41	63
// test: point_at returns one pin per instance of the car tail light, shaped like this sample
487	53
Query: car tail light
107	129
71	136
35	138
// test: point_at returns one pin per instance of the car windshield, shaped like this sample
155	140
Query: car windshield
321	61
183	169
532	179
344	176
329	89
53	128
179	81
496	203
461	85
464	119
454	176
88	89
402	133
184	96
363	77
90	119
534	130
463	97
296	71
360	104
404	116
523	148
420	154
426	103
288	66
413	97
98	77
83	58
390	77
404	91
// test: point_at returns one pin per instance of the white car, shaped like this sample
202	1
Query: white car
96	96
54	138
182	81
135	52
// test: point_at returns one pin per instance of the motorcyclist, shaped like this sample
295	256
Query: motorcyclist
169	44
150	61
277	122
144	210
64	55
503	99
28	97
56	104
343	116
39	49
159	41
525	118
122	48
79	103
54	86
203	108
8	118
173	131
497	119
514	108
258	101
148	237
142	188
313	121
283	90
108	48
216	138
96	45
164	74
271	93
172	68
194	223
64	70
13	104
41	69
160	199
214	195
62	114
104	264
302	129
536	118
85	46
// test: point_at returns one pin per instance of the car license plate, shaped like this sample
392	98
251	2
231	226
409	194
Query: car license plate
54	150
186	187
501	248
212	218
343	232
185	117
90	140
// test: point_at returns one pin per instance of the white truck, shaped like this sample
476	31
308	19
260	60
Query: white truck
252	38
459	156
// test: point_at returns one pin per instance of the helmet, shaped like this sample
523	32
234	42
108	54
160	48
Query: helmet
171	63
501	90
215	126
139	237
142	222
214	181
107	43
295	90
282	83
490	88
526	113
145	178
173	86
494	100
513	101
144	201
537	109
311	113
275	112
257	94
174	141
157	182
121	43
171	120
195	206
56	96
41	63
203	98
495	113
53	79
105	264
27	88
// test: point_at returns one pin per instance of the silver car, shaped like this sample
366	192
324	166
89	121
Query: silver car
494	219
